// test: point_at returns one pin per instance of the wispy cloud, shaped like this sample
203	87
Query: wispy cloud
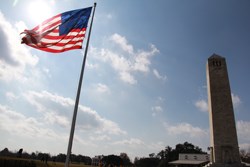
156	110
129	61
243	130
11	96
91	66
236	100
100	138
158	76
122	42
201	105
130	142
102	88
186	129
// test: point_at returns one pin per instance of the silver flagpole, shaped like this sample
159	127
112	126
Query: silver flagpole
78	95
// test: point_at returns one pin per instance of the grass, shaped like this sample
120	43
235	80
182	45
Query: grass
57	164
13	162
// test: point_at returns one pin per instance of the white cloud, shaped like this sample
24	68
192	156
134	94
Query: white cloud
57	110
122	42
243	130
158	76
160	99
14	57
18	124
201	105
100	138
156	110
142	59
11	96
91	66
128	78
186	129
245	146
128	63
130	142
236	100
54	118
102	88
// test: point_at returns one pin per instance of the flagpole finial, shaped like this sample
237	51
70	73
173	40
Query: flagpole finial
95	4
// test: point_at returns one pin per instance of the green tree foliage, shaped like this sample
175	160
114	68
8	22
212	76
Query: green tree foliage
125	159
147	162
112	160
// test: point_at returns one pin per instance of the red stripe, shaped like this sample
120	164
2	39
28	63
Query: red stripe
63	37
48	36
57	51
46	21
61	44
45	29
73	30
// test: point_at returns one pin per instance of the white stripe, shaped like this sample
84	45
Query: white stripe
55	34
69	34
76	33
42	26
51	41
65	46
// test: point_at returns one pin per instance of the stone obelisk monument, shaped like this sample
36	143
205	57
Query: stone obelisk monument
223	136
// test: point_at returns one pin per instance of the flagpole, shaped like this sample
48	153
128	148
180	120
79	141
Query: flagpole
78	95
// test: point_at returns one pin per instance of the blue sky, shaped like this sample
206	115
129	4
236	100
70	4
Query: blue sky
144	85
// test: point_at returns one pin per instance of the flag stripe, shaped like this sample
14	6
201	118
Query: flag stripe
50	23
56	34
57	49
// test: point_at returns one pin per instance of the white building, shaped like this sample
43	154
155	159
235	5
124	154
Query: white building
194	160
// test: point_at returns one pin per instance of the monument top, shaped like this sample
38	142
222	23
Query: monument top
216	56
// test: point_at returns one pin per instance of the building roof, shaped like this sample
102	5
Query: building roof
188	162
192	159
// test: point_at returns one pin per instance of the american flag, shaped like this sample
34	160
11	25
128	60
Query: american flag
60	33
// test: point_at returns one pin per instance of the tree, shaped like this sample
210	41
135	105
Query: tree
245	155
61	157
125	159
147	162
5	152
112	160
151	155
